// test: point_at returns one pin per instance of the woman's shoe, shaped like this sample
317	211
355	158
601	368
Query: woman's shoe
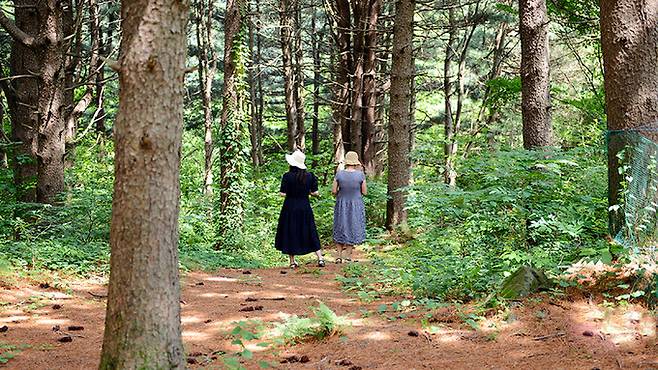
321	263
294	265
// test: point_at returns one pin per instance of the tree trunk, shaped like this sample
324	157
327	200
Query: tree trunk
343	68
454	122
402	70
233	115
94	66
206	75
4	163
142	327
449	128
259	89
289	75
300	139
535	70
39	103
106	48
629	39
316	40
368	126
355	128
253	73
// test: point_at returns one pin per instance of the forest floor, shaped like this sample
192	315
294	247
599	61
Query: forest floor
542	332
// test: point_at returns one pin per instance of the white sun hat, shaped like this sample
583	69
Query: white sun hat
296	159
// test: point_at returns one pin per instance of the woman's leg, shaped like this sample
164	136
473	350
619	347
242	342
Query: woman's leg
320	258
292	260
348	252
339	253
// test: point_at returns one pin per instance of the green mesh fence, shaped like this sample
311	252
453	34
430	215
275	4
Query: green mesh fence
634	220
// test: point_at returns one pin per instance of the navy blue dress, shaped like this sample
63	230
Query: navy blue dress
296	233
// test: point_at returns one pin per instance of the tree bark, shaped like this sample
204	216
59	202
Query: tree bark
368	126
4	163
402	70
343	67
207	67
449	128
142	327
254	74
629	39
316	40
535	74
38	105
287	22
300	139
233	115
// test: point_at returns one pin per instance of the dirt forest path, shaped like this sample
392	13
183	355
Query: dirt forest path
538	334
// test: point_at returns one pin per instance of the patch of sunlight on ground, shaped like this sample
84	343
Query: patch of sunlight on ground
14	318
190	319
212	295
195	336
52	322
445	335
221	279
375	336
622	325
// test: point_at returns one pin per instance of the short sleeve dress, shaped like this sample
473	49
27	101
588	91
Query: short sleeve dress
349	211
296	232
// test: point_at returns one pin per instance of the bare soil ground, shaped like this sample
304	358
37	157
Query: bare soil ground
542	332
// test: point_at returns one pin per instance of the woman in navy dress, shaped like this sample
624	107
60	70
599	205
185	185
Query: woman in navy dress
296	233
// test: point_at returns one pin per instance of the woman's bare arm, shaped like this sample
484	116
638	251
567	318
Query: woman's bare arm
334	188
364	188
282	194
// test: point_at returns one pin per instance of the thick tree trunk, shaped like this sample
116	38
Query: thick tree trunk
39	103
142	327
402	76
629	38
535	74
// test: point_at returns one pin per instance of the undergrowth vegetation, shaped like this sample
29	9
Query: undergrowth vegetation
510	208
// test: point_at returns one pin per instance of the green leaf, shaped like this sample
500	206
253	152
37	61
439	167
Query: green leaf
247	354
637	293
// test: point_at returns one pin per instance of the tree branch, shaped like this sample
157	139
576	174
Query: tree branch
15	32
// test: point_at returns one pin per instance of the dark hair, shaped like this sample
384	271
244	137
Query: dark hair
300	174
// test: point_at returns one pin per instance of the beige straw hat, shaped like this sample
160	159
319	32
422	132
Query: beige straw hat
352	159
296	159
